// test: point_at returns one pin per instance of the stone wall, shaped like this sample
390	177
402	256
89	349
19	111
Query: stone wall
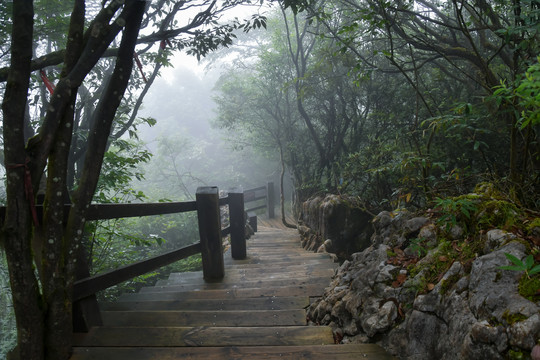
472	310
335	224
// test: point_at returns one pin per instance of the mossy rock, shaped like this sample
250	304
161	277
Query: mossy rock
529	288
533	227
497	214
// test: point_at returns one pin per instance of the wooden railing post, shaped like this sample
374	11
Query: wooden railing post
208	214
270	200
86	312
238	223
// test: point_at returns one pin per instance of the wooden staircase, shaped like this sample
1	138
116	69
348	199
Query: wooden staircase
256	312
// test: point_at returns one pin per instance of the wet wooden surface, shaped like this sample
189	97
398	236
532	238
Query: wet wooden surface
256	312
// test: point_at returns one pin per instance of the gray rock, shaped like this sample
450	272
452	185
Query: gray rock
493	292
497	238
414	225
526	333
482	332
428	233
456	232
376	318
478	351
357	339
424	332
382	220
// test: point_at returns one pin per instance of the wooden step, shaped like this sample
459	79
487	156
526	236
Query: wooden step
249	261
168	286
234	272
278	259
234	293
205	336
254	270
311	352
233	277
295	317
257	303
258	311
317	352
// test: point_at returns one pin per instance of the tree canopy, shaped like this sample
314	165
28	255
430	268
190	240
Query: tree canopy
397	102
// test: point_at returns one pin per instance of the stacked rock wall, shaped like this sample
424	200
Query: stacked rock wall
337	224
471	310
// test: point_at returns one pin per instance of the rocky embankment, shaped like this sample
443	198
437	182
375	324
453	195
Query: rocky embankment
431	286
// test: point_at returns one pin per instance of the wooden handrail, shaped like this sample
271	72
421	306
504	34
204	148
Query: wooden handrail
116	211
89	286
251	195
207	206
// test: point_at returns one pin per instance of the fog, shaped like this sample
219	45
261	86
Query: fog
187	151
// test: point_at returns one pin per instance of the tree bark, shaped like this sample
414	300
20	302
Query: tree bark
16	231
44	320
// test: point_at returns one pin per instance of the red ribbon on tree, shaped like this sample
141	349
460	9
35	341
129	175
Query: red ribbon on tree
139	65
50	86
28	190
164	44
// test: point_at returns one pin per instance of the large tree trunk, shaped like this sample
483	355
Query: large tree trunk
43	316
17	228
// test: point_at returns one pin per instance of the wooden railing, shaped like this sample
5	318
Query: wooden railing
207	204
262	198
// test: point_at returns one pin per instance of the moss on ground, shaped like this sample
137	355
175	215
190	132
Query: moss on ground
529	288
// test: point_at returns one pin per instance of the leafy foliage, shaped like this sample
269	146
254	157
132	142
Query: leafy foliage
452	208
525	97
527	265
384	110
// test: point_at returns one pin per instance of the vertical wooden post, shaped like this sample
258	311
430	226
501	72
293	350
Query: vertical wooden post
208	214
270	200
238	223
86	312
252	219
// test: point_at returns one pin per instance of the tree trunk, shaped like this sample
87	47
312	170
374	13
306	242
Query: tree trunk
281	190
44	320
16	231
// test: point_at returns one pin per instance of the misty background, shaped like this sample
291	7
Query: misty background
187	151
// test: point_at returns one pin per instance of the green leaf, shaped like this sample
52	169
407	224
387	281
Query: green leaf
515	260
529	262
514	268
534	270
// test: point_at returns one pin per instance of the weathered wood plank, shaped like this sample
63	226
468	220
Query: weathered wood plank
253	269
234	279
233	274
205	336
277	262
258	258
311	352
257	303
174	286
303	290
295	317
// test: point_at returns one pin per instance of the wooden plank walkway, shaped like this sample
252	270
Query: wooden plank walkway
256	312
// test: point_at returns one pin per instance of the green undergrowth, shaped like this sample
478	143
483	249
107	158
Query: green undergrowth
475	214
529	287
